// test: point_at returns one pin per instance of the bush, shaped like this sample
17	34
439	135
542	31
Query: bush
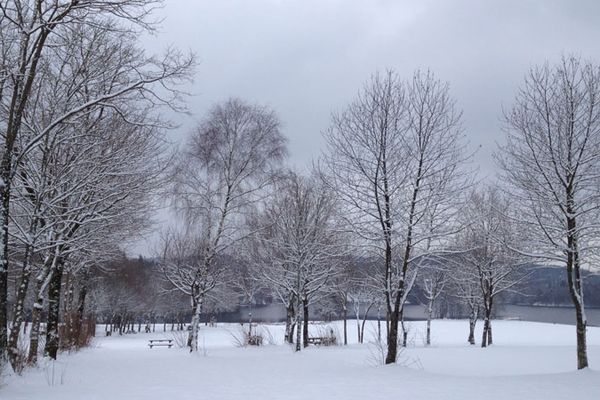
243	338
75	334
254	340
180	338
328	335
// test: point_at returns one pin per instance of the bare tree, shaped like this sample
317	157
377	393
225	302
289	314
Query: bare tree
394	158
231	161
488	237
551	162
433	279
102	190
363	296
91	178
466	288
300	245
244	277
184	266
342	286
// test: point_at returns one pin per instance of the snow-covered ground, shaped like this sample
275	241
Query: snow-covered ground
528	361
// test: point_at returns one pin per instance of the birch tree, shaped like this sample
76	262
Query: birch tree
432	282
394	157
551	162
229	164
186	270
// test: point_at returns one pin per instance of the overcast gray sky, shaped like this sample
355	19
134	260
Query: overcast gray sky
305	58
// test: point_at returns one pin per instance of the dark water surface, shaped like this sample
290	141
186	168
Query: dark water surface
551	314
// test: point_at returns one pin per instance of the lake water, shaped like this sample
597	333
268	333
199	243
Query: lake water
557	315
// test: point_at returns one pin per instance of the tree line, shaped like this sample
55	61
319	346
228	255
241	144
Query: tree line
83	151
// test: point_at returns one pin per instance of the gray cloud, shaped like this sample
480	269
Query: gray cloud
306	58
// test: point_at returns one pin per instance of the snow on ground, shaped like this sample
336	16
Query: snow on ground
528	361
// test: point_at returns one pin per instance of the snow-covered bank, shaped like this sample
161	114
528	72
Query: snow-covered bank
528	361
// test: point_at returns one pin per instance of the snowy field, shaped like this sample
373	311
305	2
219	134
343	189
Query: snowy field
528	361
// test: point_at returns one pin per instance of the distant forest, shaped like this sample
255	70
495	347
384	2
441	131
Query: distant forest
132	288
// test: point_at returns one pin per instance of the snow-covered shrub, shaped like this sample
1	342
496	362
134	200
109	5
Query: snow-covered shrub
254	336
180	338
268	336
239	337
378	349
330	335
243	338
254	340
378	352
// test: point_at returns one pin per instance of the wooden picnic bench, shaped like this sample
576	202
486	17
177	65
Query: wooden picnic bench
160	342
322	340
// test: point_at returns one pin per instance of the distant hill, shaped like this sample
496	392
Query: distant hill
548	286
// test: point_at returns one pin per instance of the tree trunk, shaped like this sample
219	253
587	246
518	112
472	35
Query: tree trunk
362	327
429	317
289	323
5	177
357	314
472	321
121	323
575	283
404	332
471	338
52	338
69	313
195	324
36	316
392	338
292	330
581	325
379	322
428	338
305	327
18	314
345	325
298	331
486	326
78	323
